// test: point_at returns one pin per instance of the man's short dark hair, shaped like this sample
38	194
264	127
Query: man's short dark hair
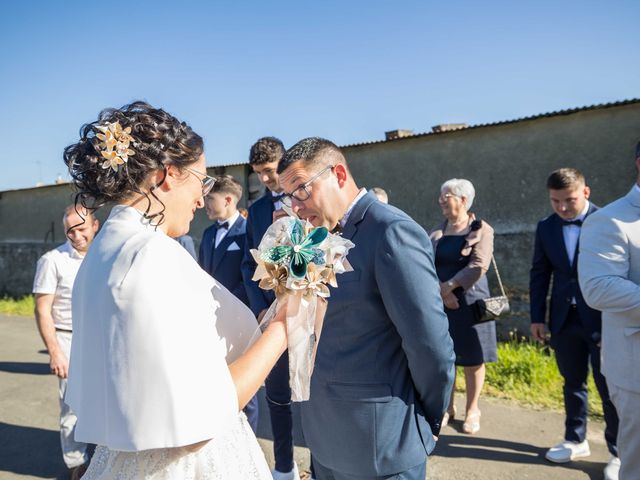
266	150
227	185
308	151
638	151
565	178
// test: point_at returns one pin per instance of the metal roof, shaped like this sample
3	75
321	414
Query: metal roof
555	113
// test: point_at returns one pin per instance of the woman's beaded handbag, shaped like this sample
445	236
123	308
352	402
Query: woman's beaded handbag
493	307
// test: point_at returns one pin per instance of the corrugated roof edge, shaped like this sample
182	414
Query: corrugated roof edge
238	164
556	113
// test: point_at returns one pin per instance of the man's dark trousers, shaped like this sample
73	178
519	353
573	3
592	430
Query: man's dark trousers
574	348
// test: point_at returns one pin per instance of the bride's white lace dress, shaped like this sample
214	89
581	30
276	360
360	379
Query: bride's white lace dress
234	455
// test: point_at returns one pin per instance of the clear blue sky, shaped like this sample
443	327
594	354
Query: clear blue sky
345	70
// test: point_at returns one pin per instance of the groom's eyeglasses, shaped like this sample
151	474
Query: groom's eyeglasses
207	181
302	193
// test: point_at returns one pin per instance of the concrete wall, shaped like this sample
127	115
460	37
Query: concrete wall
31	224
508	164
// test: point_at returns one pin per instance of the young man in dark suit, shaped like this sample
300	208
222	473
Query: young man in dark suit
222	249
264	157
575	327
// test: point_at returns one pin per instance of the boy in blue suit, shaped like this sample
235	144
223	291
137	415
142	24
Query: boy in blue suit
264	157
385	363
575	327
222	249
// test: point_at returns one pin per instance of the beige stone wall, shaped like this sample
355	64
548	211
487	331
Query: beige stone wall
508	164
33	214
31	224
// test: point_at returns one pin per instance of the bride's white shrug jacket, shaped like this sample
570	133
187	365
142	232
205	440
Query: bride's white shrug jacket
152	336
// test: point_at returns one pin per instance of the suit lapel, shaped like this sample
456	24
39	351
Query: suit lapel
211	248
634	197
357	214
559	240
218	252
574	265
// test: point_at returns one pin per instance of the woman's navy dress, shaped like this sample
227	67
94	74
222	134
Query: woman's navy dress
474	343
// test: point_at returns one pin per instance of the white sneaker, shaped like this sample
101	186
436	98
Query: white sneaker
612	469
292	475
566	451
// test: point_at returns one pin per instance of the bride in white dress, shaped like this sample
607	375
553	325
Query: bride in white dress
162	360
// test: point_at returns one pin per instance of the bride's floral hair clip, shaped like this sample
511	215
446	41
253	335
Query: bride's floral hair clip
114	145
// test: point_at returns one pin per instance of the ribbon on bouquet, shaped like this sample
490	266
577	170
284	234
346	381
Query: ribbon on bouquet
305	316
299	262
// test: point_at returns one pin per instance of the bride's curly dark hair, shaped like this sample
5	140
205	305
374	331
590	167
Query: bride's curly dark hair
159	140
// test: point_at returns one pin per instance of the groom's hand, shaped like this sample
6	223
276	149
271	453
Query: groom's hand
450	301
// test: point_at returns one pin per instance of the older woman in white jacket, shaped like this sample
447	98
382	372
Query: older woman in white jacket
162	360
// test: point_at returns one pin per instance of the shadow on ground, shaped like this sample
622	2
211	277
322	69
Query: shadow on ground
491	449
33	368
18	444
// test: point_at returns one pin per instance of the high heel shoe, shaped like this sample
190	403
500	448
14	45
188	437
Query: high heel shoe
449	415
471	423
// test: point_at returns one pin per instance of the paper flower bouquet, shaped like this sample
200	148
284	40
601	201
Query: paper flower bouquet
299	262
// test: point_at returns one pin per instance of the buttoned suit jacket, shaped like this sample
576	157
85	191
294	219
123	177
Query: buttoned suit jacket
259	220
550	259
609	271
222	263
385	363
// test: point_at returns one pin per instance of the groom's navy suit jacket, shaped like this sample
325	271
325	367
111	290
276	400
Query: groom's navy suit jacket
385	363
223	262
550	259
259	220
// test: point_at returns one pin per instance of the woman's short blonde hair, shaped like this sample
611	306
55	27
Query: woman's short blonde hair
460	187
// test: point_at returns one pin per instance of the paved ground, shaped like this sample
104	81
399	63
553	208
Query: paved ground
509	446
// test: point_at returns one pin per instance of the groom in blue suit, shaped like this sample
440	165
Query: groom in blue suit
222	249
575	327
385	363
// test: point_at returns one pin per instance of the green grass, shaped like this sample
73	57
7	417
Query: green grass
527	373
22	306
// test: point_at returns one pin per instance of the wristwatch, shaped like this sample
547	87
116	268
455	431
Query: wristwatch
450	284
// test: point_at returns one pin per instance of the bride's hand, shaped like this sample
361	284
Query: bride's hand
280	317
277	326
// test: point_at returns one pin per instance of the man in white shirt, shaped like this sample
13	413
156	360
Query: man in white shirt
52	286
575	327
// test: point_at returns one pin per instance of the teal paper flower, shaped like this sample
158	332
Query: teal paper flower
304	250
